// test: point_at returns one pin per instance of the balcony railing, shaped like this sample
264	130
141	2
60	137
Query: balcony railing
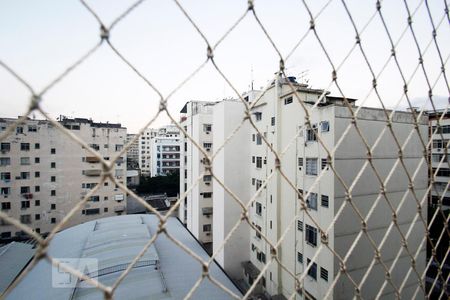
95	172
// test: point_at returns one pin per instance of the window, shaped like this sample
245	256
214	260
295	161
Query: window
5	176
37	202
105	209
6	205
119	147
53	193
442	172
37	160
53	165
324	162
53	220
52	151
259	162
94	199
52	206
253	181
92	211
253	159
310	134
24	204
272	121
258	232
311	166
5	147
299	257
5	235
207	128
207	146
324	126
53	179
37	188
207	178
207	228
300	163
312	272
311	235
311	202
299	225
261	257
24	161
37	146
258	208
106	146
25	219
32	128
438	157
37	216
24	189
258	116
24	175
25	146
324	274
207	195
324	200
258	139
439	144
258	184
287	100
5	161
37	174
19	130
4	191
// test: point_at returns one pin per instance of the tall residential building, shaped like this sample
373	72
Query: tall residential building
165	151
133	151
439	201
44	173
145	154
281	120
196	210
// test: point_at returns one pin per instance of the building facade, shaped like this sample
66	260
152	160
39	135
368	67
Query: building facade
281	120
196	209
44	173
165	151
145	152
133	151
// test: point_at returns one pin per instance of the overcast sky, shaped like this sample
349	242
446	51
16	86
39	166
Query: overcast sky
39	39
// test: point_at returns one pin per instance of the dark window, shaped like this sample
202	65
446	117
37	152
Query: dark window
207	195
52	151
311	202
37	174
53	178
53	165
25	146
311	235
24	204
299	257
37	216
37	188
258	208
259	162
53	220
312	272
272	121
53	193
6	205
37	160
37	202
287	100
37	146
53	206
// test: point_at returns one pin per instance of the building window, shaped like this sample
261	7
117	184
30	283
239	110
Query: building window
37	216
253	159
258	116
53	193
310	134
324	200
52	206
5	176
324	274
253	137
5	161
312	272
259	162
37	174
6	205
311	235
311	166
5	147
207	228
119	147
37	160
272	121
52	151
24	189
24	161
258	232
19	130
206	178
300	163
324	126
258	139
207	195
311	202
324	163
53	179
53	220
37	202
32	128
253	181
5	235
105	209
261	257
37	188
258	209
207	146
94	199
24	204
299	257
25	146
207	128
258	184
92	211
4	191
288	100
53	165
299	225
25	219
24	175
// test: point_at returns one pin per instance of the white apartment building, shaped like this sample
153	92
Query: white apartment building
165	151
133	150
145	152
280	118
196	211
43	173
439	199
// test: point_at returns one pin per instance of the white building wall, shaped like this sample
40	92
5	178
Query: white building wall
227	166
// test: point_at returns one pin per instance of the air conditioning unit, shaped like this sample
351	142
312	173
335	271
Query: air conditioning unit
207	183
207	132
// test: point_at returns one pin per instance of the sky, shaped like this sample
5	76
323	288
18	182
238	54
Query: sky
40	39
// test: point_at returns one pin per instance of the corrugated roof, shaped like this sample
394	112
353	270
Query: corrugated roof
164	272
13	258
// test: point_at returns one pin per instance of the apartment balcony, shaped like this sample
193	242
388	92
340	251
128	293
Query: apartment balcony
92	159
119	208
94	172
27	195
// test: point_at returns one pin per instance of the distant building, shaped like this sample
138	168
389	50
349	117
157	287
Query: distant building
133	152
43	173
439	202
165	271
165	151
145	152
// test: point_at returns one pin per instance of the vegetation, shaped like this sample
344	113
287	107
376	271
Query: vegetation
169	184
